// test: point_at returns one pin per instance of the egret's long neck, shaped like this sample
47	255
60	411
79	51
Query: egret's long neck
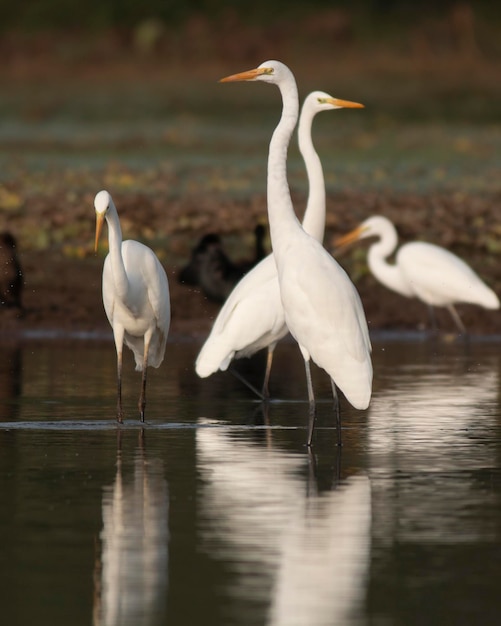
314	216
280	210
387	273
115	244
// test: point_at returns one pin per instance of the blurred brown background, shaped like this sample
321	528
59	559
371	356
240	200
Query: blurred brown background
124	95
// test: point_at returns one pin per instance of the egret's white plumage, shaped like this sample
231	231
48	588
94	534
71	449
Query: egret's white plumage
252	317
135	296
422	270
322	308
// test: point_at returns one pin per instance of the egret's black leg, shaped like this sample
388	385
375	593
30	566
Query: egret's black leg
457	319
269	361
433	319
142	397
119	387
337	412
311	400
243	380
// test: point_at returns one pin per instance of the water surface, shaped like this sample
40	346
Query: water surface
215	513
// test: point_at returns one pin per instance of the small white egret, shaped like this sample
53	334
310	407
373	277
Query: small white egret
422	270
322	308
135	296
252	317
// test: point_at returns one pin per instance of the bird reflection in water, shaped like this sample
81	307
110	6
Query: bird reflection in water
11	376
131	576
302	554
433	429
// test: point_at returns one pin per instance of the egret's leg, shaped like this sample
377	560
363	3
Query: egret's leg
337	412
457	319
118	335
120	417
142	439
311	485
239	376
142	397
433	319
311	400
269	361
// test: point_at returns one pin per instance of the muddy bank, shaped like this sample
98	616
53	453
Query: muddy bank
62	289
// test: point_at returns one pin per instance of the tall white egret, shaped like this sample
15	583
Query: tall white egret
252	317
421	270
135	296
322	308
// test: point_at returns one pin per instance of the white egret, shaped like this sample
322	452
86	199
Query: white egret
322	308
136	298
421	270
252	317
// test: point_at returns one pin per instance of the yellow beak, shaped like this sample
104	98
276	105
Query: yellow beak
346	104
350	237
99	226
248	75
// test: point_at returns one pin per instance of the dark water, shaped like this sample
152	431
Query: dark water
215	513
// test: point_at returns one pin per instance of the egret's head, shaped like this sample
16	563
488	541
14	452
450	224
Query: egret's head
102	203
372	227
321	101
268	72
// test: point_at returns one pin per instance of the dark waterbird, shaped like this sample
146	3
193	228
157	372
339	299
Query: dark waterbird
11	274
213	271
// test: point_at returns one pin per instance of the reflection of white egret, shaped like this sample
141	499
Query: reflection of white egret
322	308
134	539
421	270
11	378
304	557
324	564
252	317
427	435
429	409
136	298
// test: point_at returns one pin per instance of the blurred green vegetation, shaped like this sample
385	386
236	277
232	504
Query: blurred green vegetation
96	14
354	21
125	95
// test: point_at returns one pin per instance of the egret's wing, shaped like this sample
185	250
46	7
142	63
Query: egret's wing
148	280
158	291
437	275
252	319
262	272
324	313
330	298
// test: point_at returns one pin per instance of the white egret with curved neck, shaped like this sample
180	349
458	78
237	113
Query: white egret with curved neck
322	308
252	317
421	270
135	296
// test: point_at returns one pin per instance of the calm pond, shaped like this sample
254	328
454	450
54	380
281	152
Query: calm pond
214	513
